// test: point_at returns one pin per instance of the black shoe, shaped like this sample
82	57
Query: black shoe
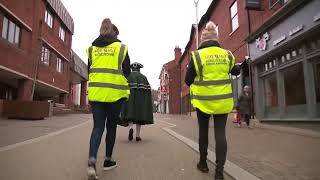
138	139
92	173
203	166
109	164
219	174
130	137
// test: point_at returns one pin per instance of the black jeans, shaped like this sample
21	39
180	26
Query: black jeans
102	111
219	134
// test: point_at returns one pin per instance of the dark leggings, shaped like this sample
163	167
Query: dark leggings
105	115
246	118
219	134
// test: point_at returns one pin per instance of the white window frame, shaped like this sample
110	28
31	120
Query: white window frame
62	33
11	31
59	66
45	56
48	18
234	16
217	29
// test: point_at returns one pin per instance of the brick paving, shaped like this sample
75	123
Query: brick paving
266	153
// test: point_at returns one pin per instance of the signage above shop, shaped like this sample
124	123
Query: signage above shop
261	42
316	17
295	30
279	40
253	4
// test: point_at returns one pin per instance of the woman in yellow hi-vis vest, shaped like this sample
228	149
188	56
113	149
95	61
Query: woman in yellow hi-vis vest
208	76
109	68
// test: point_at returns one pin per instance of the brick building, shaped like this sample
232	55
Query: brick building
35	48
170	85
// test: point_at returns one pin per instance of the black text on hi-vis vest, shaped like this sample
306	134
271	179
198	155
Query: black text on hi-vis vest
106	51
216	59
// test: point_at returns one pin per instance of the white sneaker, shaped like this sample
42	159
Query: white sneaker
92	175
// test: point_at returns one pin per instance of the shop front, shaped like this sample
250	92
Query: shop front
286	66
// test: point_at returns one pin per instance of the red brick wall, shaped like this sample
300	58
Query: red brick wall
16	57
257	18
233	41
23	58
21	8
174	90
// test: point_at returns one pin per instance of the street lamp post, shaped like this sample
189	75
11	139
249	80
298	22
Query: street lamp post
197	33
197	41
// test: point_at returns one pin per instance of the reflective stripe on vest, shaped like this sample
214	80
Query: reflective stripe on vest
108	85
215	97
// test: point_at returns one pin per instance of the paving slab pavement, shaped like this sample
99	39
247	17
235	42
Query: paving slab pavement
14	131
63	155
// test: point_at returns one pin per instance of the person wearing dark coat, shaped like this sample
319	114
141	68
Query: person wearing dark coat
138	109
244	105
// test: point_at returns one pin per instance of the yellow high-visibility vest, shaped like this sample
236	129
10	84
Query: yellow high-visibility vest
211	91
106	80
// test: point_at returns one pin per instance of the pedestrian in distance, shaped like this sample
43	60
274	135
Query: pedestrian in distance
109	68
244	105
138	109
208	76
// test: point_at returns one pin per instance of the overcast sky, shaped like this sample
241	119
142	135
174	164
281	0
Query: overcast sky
150	28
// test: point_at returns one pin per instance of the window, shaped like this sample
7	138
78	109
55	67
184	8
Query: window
294	85
45	56
10	31
292	54
62	33
269	65
270	91
48	18
234	16
59	66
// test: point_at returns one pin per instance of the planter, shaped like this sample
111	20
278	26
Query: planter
30	110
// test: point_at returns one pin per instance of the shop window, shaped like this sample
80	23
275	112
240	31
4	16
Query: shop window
313	45
288	56
294	85
317	80
283	59
270	90
10	31
269	65
293	54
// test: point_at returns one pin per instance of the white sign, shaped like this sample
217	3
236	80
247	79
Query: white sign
279	40
295	30
316	17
